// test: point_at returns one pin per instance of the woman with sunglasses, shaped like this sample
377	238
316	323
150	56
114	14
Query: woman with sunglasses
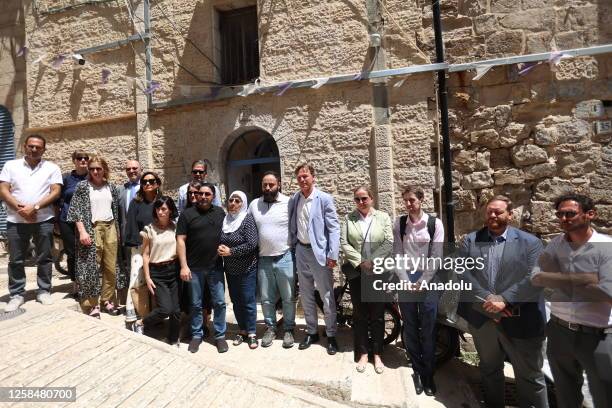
140	214
67	229
160	268
366	234
238	247
94	209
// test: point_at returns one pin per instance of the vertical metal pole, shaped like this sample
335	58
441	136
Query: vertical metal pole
443	107
147	28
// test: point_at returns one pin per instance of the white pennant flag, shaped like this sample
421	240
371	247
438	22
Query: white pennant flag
320	82
481	70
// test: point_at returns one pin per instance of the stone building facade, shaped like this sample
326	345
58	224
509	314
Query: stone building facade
529	136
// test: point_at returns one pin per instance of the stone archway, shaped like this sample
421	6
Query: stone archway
252	154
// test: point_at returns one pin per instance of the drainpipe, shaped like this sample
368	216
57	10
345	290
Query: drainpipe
147	41
443	108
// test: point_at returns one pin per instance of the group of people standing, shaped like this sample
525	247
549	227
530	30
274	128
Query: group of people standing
190	250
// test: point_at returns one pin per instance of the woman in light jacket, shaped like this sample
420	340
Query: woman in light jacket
366	234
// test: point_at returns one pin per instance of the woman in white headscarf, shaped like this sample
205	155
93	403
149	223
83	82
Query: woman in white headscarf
239	251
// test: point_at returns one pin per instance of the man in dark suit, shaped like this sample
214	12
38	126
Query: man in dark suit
505	312
126	193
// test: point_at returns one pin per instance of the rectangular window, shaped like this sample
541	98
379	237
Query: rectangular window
239	45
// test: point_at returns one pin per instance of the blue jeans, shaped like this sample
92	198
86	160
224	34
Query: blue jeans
242	289
277	278
18	236
216	282
420	335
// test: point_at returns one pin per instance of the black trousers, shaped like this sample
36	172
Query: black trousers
366	315
68	238
166	283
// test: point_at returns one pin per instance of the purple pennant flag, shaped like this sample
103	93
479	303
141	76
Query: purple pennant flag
57	61
358	77
22	51
214	91
105	75
153	86
527	67
282	88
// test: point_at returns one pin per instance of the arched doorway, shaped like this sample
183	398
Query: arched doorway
248	158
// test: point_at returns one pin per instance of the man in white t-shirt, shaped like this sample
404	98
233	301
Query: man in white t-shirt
577	265
29	186
276	273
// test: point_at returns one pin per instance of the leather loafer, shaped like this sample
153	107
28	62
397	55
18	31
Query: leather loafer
308	340
418	387
332	346
429	386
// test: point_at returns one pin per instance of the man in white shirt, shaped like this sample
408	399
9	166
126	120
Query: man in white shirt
577	265
29	186
199	172
415	235
276	274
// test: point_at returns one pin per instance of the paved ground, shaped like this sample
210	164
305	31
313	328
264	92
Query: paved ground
111	366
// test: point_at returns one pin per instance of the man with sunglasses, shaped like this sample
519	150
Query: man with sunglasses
505	312
577	266
29	186
199	172
127	193
198	234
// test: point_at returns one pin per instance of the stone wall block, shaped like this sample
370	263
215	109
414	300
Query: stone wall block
382	135
477	180
465	200
533	20
538	42
577	68
513	133
384	159
485	24
573	132
549	189
465	161
483	160
569	40
488	138
537	4
500	158
457	177
538	171
384	180
546	136
386	202
505	6
505	43
525	155
472	8
543	218
508	176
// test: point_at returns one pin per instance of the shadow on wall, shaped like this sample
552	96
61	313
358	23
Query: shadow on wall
11	42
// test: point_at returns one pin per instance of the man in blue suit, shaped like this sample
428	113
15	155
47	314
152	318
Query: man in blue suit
505	312
314	232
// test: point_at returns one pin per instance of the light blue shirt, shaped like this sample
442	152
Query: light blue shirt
496	251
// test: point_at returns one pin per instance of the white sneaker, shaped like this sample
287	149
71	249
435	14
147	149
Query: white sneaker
44	298
14	303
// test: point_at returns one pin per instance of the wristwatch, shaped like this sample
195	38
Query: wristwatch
37	207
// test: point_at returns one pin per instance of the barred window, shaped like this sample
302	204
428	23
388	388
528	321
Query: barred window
239	45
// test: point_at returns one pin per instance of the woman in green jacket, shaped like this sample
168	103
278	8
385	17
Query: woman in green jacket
366	235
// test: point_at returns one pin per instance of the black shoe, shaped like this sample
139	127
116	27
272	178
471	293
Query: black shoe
429	386
221	345
418	387
194	345
308	340
332	346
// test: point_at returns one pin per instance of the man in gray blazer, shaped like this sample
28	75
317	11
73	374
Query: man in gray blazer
504	310
314	232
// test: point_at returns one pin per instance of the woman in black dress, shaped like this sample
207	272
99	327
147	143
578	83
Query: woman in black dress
239	251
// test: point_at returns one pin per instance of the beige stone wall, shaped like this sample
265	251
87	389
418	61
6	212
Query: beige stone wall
12	67
532	138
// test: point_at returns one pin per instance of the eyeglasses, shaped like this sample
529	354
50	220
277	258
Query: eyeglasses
149	182
361	199
94	169
198	171
79	158
566	214
195	193
234	200
131	168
